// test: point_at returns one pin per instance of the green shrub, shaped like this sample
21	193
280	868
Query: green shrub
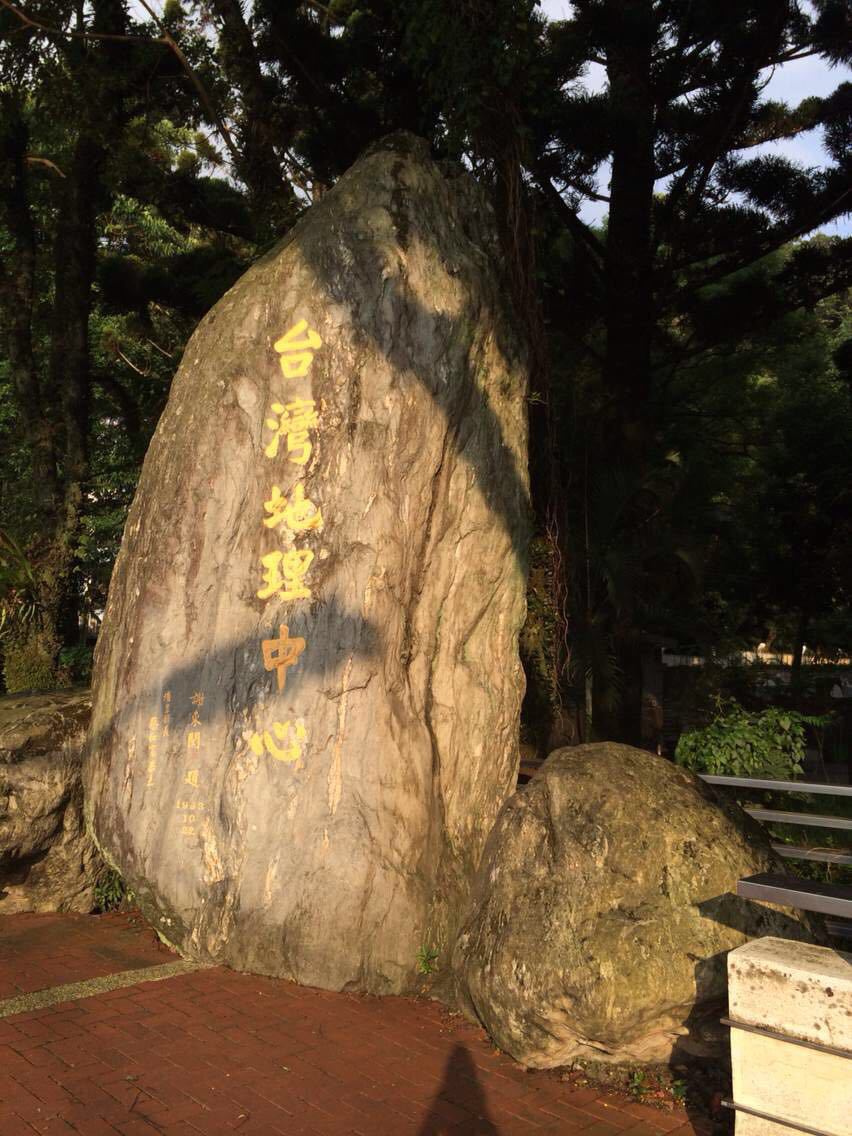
76	663
28	661
741	743
111	892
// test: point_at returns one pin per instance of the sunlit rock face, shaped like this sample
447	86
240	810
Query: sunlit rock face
604	909
47	861
307	685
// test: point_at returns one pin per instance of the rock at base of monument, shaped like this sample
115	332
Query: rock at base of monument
604	910
47	862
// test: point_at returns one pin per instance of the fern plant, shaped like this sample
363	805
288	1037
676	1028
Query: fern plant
111	892
426	959
19	605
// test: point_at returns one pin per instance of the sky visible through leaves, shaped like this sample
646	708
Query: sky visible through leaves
791	83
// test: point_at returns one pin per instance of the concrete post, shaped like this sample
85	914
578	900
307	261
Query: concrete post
791	993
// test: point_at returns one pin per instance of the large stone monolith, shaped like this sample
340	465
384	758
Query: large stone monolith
307	684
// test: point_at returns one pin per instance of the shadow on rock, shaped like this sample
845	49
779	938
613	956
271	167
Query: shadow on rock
701	1062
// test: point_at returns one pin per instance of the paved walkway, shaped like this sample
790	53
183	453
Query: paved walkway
41	951
214	1052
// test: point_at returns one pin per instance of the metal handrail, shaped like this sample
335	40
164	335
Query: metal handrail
827	899
819	855
812	820
778	786
794	891
776	1035
791	1124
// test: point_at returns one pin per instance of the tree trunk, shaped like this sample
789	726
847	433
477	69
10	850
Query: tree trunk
74	267
628	268
102	77
30	647
17	280
55	414
272	196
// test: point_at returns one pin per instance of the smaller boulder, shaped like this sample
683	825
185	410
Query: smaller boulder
47	861
604	909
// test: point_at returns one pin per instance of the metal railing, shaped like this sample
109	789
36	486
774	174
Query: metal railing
787	1039
833	900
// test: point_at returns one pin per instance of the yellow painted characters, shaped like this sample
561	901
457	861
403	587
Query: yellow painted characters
298	514
293	737
285	573
292	422
296	349
281	653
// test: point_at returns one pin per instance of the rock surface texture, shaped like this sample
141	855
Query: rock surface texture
604	908
307	685
47	862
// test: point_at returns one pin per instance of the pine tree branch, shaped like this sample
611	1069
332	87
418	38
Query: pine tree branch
327	12
130	363
165	39
745	257
66	33
575	226
794	53
200	90
33	160
703	165
589	193
778	135
261	134
162	350
689	188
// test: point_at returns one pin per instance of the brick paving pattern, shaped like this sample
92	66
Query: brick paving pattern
39	951
217	1052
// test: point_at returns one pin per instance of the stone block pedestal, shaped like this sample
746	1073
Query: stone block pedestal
789	994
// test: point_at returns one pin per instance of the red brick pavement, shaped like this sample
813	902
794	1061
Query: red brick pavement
39	951
217	1052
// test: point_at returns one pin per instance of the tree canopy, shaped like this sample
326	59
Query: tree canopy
691	419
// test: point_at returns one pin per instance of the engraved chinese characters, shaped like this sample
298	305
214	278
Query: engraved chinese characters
285	570
296	348
327	543
298	514
281	653
192	809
